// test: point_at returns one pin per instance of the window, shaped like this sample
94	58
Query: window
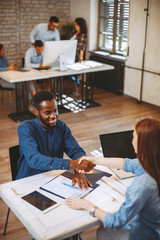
113	26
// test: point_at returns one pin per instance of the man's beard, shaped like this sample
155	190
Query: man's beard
44	122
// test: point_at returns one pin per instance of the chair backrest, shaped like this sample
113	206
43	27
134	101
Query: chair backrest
14	156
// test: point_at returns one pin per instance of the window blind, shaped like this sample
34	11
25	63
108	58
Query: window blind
113	25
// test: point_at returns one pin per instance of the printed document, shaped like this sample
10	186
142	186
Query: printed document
62	187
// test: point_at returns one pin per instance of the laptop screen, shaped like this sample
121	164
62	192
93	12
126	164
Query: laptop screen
118	144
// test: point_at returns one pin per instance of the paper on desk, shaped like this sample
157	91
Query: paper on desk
110	190
62	187
78	66
92	63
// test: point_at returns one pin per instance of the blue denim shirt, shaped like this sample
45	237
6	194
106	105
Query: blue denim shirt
42	150
40	32
3	63
32	60
142	206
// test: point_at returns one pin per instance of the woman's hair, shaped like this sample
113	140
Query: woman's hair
83	25
148	147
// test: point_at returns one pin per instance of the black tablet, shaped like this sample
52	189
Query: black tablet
39	201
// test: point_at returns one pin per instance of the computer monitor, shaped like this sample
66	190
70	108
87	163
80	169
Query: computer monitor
53	50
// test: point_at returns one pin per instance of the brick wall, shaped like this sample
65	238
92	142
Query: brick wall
18	17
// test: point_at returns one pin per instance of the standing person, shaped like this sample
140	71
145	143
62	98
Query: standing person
139	216
46	31
43	141
81	36
4	66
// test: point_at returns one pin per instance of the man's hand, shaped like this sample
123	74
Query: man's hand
84	165
82	181
42	67
11	67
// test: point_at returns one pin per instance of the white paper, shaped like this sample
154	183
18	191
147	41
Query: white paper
78	66
92	63
62	187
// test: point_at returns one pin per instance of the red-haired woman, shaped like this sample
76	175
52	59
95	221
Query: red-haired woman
138	218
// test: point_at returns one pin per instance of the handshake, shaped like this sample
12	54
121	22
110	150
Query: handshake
82	165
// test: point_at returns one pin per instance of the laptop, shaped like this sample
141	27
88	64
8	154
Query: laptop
118	144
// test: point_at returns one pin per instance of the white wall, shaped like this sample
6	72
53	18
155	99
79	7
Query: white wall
88	9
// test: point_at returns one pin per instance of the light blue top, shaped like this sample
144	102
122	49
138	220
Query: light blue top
32	60
40	32
3	63
142	206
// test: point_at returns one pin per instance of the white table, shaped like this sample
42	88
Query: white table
22	78
60	222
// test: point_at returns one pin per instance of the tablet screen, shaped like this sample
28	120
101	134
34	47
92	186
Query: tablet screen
39	201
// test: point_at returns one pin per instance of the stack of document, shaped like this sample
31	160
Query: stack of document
84	65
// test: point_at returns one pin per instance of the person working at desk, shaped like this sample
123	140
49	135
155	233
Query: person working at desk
81	36
43	141
5	67
139	216
33	59
46	31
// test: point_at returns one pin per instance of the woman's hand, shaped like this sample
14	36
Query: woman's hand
77	203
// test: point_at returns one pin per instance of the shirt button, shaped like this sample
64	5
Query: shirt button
49	145
63	168
50	167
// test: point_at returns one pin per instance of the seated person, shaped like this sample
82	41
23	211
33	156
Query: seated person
139	215
5	67
33	59
44	140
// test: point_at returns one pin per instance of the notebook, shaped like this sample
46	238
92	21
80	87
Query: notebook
118	144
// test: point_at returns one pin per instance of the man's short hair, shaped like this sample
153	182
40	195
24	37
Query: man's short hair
41	96
38	43
54	19
1	46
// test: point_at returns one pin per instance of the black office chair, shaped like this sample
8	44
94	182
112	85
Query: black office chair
14	156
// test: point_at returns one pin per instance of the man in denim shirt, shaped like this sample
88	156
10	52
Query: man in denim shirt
44	140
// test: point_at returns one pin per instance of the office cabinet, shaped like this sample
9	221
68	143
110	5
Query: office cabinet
112	80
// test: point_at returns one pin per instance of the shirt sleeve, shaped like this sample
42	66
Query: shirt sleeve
33	34
3	67
34	158
28	63
133	165
71	146
82	42
136	198
57	36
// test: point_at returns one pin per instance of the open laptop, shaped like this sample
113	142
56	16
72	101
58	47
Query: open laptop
118	144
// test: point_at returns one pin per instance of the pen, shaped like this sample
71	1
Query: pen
69	185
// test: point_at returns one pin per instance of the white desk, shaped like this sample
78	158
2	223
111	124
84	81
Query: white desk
22	78
61	222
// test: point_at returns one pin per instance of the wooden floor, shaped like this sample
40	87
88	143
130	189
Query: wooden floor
116	113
